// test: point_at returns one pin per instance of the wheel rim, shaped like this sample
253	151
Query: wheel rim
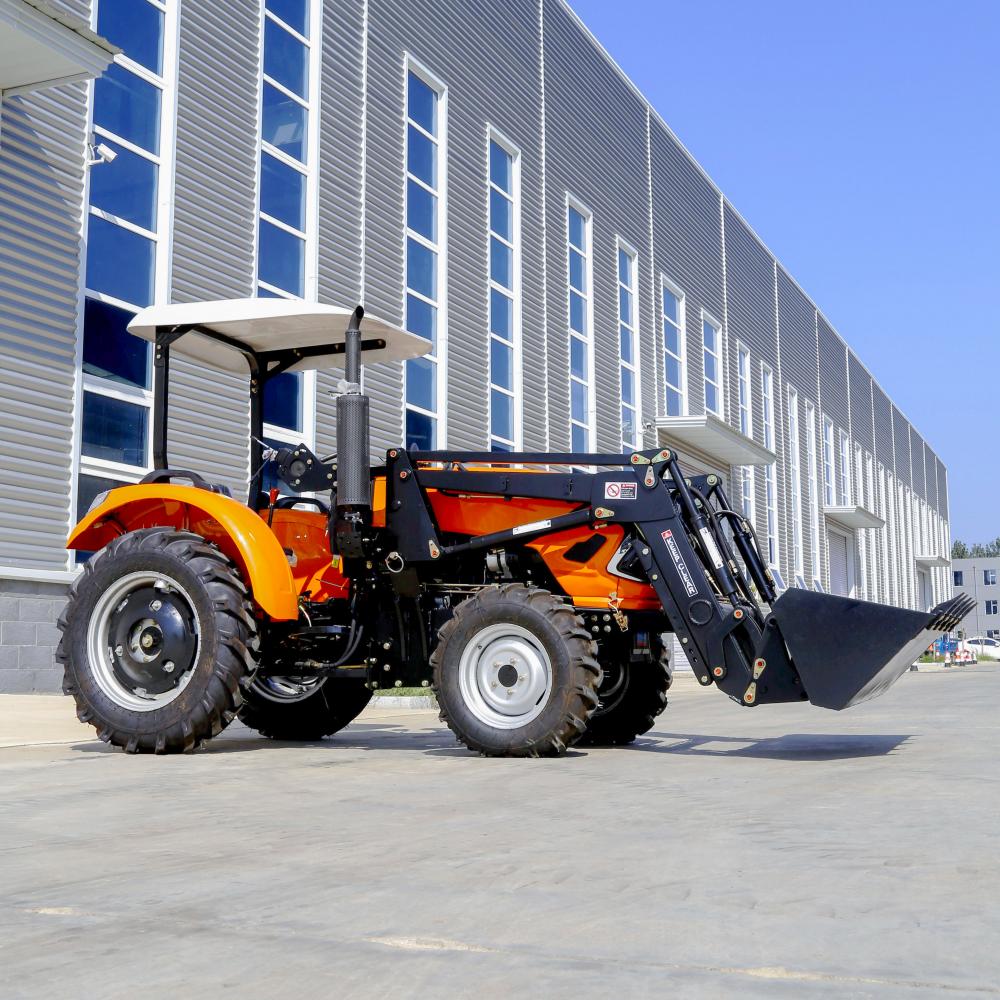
143	640
613	686
287	689
505	676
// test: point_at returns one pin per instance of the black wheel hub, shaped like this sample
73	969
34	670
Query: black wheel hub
152	640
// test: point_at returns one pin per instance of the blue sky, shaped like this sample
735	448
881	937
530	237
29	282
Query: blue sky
861	140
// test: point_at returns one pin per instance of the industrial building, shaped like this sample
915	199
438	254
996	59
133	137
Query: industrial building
482	173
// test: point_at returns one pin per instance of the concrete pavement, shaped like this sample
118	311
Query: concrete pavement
777	852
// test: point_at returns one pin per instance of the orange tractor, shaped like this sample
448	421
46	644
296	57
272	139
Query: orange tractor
533	591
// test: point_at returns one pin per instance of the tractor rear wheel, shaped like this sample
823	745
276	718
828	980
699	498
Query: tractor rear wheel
515	673
301	708
158	640
631	696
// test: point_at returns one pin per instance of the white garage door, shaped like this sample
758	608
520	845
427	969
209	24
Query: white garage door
839	583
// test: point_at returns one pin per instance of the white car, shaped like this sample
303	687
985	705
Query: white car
983	644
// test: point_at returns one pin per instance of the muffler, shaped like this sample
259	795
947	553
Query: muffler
846	651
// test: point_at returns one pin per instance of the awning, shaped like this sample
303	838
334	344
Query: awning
931	561
41	46
706	433
853	517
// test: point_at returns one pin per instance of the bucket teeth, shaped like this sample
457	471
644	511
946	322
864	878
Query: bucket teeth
947	615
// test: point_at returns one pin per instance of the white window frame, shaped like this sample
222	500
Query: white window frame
621	247
770	475
719	354
865	581
513	293
991	607
829	494
574	204
989	577
844	490
681	327
812	474
744	393
795	486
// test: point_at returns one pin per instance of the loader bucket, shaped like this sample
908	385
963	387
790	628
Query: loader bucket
847	651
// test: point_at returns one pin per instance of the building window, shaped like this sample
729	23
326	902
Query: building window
864	580
991	607
770	481
993	633
581	341
424	131
828	494
674	373
811	474
844	477
712	358
989	577
628	338
959	577
795	481
745	400
504	278
125	242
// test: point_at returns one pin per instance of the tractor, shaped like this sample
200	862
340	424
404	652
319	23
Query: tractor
535	592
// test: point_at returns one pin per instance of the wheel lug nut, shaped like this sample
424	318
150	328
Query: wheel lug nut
119	650
168	667
155	605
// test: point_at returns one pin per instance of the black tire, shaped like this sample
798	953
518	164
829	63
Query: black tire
212	624
333	704
546	630
631	696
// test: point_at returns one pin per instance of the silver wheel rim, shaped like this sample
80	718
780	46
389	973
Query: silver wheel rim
505	676
287	689
101	654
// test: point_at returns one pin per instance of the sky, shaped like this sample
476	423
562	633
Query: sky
861	141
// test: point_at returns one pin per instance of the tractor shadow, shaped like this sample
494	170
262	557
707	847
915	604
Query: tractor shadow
790	747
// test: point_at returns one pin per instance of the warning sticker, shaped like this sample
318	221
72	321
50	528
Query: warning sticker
620	491
682	569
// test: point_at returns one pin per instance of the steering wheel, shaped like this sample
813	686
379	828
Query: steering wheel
284	503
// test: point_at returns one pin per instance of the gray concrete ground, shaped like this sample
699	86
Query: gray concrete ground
777	852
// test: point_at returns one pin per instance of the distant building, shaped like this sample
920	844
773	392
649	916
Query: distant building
481	172
978	577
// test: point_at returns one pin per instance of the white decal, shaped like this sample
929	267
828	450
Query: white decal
682	569
711	548
620	491
534	526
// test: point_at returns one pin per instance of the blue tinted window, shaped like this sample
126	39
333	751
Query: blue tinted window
501	215
119	262
286	59
578	401
501	167
109	350
421	269
114	430
577	229
577	271
419	431
136	27
626	344
578	357
671	306
501	314
628	423
500	447
126	187
421	156
266	293
625	305
281	258
577	313
628	386
87	488
501	364
421	318
284	123
282	403
421	210
282	192
421	104
624	268
129	107
421	383
579	438
294	13
501	415
501	262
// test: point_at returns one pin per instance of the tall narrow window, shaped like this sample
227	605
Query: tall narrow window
287	161
745	400
712	358
860	499
581	339
811	473
844	472
770	482
628	328
504	265
873	505
795	485
828	493
424	126
674	374
125	243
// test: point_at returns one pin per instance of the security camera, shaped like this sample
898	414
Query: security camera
102	153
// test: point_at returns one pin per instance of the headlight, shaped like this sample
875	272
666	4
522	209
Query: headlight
98	500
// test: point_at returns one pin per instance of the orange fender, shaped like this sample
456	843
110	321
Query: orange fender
238	531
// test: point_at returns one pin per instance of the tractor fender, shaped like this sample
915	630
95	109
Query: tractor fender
239	532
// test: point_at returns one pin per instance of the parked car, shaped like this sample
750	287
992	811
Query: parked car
983	644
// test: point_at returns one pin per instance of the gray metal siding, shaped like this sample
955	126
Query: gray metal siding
901	441
797	330
860	386
41	203
942	487
215	204
833	377
883	427
917	464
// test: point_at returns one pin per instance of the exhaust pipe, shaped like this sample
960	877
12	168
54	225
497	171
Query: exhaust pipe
354	502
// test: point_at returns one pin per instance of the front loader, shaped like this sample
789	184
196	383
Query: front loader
534	591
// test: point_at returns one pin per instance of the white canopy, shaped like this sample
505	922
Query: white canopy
265	325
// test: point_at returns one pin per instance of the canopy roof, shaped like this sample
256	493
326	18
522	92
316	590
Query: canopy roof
270	327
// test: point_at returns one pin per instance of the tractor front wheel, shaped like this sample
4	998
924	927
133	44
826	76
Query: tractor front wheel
515	673
303	708
158	641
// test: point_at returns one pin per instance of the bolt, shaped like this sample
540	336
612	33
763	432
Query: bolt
425	684
655	576
387	645
607	628
372	660
645	552
493	684
119	650
155	605
607	618
147	641
385	666
718	671
509	692
399	684
738	614
595	628
684	640
168	667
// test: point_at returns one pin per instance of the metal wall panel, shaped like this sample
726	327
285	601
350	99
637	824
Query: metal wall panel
917	464
41	204
930	477
215	205
860	387
942	489
901	443
883	427
832	375
595	151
